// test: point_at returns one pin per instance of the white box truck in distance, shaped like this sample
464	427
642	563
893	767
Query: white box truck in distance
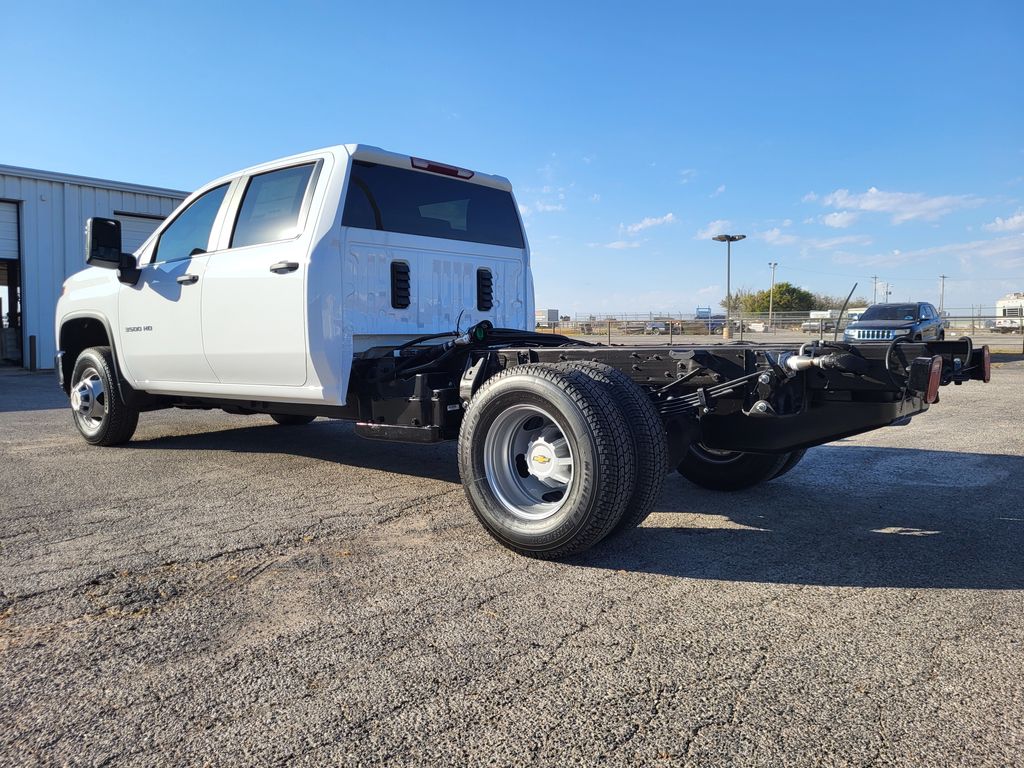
396	292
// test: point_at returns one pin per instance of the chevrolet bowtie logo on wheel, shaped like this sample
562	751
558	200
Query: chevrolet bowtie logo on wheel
541	459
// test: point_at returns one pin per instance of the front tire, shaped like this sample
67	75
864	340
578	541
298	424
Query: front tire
546	460
729	470
99	413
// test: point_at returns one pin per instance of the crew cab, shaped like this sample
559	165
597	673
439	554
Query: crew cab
885	322
396	292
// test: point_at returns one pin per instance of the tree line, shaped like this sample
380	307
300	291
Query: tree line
787	298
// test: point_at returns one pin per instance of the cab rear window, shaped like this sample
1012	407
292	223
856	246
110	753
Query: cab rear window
393	199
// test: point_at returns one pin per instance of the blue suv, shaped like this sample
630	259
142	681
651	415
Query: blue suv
885	322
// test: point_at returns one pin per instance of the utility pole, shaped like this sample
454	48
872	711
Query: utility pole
771	293
728	240
942	292
874	289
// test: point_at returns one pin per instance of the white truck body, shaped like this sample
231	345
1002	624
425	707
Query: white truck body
223	324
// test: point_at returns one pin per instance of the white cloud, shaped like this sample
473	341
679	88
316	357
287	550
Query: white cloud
687	175
647	223
540	207
902	206
810	197
835	242
1009	224
1003	253
716	227
719	190
708	289
776	236
595	198
839	219
617	245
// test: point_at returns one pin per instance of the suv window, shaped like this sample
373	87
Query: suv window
901	312
190	231
418	203
271	206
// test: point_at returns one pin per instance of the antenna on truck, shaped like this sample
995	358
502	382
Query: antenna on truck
835	333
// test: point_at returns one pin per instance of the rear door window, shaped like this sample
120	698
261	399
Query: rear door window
271	206
391	199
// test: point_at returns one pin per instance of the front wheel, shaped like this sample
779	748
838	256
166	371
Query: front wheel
546	460
100	414
729	470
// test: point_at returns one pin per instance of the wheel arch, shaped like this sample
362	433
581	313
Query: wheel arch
77	333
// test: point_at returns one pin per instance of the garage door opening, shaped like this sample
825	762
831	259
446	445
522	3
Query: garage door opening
10	286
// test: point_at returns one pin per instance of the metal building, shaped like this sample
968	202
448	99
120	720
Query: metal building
42	241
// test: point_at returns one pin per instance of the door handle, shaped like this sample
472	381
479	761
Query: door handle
284	266
188	279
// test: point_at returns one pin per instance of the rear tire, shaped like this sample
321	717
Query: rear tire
289	420
729	470
546	460
792	461
650	446
99	413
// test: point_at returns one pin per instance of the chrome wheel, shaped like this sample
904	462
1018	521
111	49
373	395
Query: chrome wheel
89	401
528	462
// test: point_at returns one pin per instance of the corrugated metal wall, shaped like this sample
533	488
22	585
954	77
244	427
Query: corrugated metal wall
53	215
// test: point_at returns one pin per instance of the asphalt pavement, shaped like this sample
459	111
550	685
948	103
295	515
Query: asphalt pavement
225	591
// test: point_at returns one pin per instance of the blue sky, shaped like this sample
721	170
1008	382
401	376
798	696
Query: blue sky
845	140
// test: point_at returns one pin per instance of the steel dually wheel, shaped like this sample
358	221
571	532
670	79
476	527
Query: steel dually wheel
546	460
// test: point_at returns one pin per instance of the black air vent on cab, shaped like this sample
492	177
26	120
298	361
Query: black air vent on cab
484	290
400	290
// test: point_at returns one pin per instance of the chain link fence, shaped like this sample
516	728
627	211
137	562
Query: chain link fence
982	325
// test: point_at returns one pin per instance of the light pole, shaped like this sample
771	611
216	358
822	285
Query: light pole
728	240
874	289
771	293
942	292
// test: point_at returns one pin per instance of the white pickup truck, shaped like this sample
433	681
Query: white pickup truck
396	292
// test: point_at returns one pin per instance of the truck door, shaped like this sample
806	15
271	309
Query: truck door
254	310
160	330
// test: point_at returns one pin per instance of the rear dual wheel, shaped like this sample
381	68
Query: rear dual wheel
549	459
734	470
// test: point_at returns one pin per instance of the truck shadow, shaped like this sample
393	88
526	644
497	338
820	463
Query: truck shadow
323	440
846	516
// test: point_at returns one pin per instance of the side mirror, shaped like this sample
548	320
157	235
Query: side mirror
103	249
103	243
